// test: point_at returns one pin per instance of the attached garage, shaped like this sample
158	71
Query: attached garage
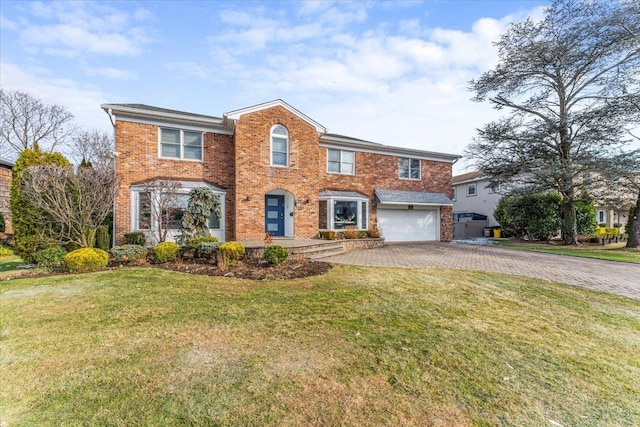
405	216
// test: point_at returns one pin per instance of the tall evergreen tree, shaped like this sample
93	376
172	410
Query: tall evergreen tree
563	82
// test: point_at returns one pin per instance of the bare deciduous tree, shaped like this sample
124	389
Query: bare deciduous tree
163	196
25	121
76	202
94	146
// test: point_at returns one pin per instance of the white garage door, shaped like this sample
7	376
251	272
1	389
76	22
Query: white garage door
406	226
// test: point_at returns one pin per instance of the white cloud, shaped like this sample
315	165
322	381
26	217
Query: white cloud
7	23
110	73
74	28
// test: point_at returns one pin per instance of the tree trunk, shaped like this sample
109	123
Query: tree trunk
634	230
569	222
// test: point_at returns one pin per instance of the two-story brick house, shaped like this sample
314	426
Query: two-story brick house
277	170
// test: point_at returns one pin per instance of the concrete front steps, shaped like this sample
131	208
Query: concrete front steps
319	250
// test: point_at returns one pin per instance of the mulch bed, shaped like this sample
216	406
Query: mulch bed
251	269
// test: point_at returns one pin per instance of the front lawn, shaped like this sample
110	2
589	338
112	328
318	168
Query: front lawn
357	346
611	252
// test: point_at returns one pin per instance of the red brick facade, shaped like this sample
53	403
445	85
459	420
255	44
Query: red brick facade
5	181
241	165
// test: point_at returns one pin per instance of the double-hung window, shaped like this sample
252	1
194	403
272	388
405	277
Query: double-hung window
341	161
408	168
279	146
180	144
471	190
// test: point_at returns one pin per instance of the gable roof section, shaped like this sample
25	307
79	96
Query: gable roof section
236	114
156	115
399	197
468	177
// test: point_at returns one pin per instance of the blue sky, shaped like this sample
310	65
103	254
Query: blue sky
392	72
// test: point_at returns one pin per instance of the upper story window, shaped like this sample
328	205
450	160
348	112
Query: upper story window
180	144
453	193
340	161
408	168
471	190
279	146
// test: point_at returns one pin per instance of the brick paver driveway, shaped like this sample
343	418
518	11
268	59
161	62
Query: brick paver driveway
608	276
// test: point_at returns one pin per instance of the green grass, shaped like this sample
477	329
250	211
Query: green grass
610	252
357	346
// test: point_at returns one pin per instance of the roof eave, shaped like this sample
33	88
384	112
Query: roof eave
451	158
120	110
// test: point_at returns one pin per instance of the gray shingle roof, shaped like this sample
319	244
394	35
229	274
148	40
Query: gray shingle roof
163	110
412	197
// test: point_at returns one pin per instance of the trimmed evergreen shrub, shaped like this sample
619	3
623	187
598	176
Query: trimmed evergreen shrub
51	257
536	216
28	221
128	253
103	240
164	252
195	242
135	238
362	234
231	251
86	259
3	225
275	254
207	249
586	215
5	251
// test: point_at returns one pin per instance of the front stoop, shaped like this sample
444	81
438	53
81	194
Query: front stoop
320	250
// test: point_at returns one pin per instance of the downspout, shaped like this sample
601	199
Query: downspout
115	154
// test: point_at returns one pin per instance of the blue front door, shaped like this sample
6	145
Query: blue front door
274	215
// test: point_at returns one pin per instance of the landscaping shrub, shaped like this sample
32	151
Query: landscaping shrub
350	232
71	246
27	247
362	234
586	215
207	249
195	242
373	233
165	252
4	251
627	227
103	240
129	254
195	222
2	223
275	254
50	257
328	235
29	221
536	216
229	252
135	238
86	259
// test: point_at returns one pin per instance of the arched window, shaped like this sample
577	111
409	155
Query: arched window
279	146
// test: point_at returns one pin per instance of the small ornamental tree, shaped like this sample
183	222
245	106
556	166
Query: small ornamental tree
195	221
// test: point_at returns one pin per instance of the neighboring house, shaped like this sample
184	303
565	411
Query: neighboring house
6	171
276	170
473	199
473	194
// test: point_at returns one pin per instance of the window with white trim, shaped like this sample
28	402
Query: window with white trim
341	161
601	217
279	146
149	209
453	194
180	144
340	213
471	190
408	168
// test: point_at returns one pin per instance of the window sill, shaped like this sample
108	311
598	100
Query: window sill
181	160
